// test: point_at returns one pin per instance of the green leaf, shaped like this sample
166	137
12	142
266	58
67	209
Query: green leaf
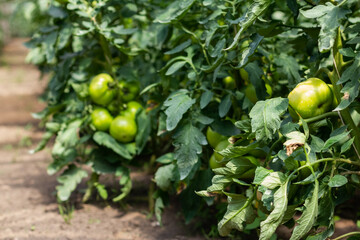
308	217
166	158
100	163
238	213
248	52
175	11
290	67
57	12
104	139
347	145
317	143
265	117
260	174
329	18
191	203
219	182
69	179
179	48
337	181
225	105
187	142
164	175
177	104
237	151
206	98
335	137
125	180
255	75
124	31
143	121
271	223
273	180
175	67
256	9
159	207
326	209
244	125
101	190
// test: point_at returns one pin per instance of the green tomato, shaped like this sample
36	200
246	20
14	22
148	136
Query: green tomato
229	82
101	119
311	98
100	90
213	137
248	174
250	92
221	146
131	109
129	90
123	129
213	163
244	75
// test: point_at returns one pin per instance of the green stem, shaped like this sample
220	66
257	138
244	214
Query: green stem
320	117
345	114
107	53
347	235
350	172
91	183
152	185
267	159
198	40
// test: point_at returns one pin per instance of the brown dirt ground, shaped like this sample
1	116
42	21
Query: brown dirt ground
28	208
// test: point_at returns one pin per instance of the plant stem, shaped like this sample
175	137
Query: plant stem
151	170
320	117
345	114
267	159
347	235
350	172
107	54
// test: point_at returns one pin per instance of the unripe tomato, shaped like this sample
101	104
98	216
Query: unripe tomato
123	129
101	119
221	146
311	98
229	82
250	92
213	137
213	163
244	75
131	109
129	90
100	90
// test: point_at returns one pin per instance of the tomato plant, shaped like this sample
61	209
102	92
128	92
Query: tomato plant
211	71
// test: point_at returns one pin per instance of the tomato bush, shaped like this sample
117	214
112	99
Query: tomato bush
208	71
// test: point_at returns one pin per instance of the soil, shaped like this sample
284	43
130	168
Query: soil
28	207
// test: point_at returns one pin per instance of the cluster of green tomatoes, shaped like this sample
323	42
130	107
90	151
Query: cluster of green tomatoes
116	108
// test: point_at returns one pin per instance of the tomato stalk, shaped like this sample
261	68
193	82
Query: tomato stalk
347	235
151	186
91	183
334	76
107	55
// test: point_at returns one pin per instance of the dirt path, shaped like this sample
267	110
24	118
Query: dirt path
28	208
